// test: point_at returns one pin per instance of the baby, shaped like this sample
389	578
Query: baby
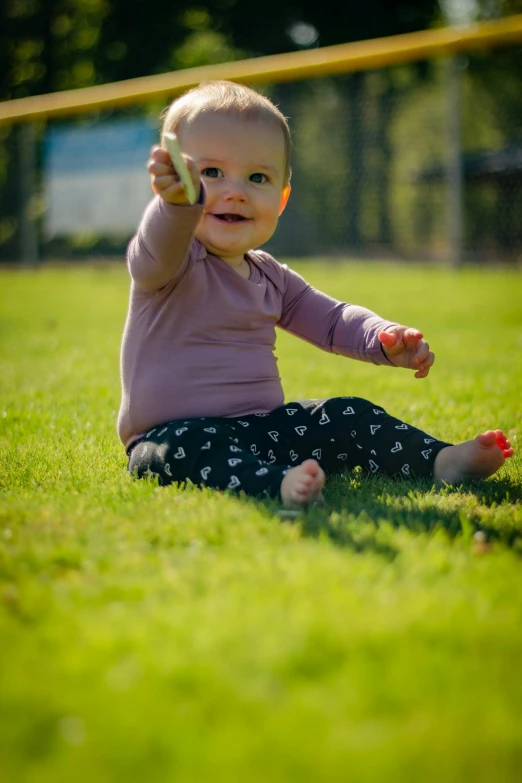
202	399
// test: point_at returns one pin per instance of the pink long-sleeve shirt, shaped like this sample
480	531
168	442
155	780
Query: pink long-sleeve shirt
199	339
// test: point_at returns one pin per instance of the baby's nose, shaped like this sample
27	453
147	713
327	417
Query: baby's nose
235	190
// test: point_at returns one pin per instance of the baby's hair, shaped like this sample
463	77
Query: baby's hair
228	98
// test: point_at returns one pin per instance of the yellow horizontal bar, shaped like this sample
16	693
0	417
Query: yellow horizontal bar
292	66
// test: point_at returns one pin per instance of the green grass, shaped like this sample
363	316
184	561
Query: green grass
153	634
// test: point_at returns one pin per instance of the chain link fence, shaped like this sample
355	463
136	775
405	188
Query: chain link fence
407	163
420	162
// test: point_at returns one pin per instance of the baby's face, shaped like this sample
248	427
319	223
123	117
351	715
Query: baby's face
242	164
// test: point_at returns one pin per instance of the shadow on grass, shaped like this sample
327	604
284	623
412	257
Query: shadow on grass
361	512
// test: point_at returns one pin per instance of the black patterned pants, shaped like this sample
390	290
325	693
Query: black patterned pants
252	453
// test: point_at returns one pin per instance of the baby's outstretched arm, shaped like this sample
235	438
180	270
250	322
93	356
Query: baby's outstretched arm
160	250
165	180
406	347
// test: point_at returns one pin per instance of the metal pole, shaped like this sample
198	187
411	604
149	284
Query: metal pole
28	226
454	170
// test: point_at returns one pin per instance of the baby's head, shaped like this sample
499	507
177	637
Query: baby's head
230	99
240	143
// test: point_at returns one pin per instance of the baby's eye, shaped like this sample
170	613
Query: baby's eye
258	178
213	172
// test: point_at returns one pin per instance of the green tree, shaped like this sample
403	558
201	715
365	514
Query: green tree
49	45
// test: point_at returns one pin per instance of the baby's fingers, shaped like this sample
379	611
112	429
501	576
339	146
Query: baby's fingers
411	337
157	169
423	367
169	188
419	351
159	155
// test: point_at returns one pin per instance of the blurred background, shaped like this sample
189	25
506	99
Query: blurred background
419	161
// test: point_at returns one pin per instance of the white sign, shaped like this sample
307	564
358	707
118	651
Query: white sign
96	179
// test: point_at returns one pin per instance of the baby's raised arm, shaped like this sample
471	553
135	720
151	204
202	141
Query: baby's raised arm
159	251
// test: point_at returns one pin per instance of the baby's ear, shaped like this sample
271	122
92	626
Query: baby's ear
284	198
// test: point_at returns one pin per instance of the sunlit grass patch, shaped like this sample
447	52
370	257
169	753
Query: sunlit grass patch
181	634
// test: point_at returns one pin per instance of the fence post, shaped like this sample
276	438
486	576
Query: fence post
454	170
28	226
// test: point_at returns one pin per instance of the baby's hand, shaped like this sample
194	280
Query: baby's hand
406	347
164	179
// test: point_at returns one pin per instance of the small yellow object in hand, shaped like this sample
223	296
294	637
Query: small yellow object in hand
170	143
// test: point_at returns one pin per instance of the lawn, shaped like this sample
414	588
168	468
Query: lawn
153	634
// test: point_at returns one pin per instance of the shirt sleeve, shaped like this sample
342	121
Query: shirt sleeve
338	327
160	250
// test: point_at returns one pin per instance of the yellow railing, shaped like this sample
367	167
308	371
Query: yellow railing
325	61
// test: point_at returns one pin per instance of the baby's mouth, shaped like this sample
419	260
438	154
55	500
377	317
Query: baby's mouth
228	217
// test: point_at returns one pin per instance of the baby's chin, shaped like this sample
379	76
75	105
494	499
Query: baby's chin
221	246
230	249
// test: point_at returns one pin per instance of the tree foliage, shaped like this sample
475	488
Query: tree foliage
49	45
53	45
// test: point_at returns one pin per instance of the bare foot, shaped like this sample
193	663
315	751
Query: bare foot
477	458
302	484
